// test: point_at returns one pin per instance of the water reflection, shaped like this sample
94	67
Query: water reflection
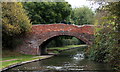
67	61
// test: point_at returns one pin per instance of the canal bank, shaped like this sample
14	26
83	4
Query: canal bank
37	58
72	60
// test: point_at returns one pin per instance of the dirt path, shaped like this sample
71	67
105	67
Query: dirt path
8	60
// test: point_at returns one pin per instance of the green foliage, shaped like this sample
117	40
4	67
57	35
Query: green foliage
82	15
47	12
63	41
58	49
15	22
106	45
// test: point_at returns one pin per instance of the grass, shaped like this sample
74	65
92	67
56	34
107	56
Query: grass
20	59
8	55
66	47
57	49
17	57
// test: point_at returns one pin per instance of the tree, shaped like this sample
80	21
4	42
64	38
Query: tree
82	15
106	46
47	12
15	22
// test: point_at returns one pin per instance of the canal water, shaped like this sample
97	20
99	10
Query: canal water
68	61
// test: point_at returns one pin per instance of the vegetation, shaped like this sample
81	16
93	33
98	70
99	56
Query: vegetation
82	15
47	12
64	41
66	47
106	46
58	49
58	12
18	59
15	23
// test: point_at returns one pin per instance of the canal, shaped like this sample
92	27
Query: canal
68	61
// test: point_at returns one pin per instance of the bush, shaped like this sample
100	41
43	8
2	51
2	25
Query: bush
106	45
15	23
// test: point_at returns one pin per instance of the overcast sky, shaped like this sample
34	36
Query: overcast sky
80	3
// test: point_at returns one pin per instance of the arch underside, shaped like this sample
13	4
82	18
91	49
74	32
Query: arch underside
87	38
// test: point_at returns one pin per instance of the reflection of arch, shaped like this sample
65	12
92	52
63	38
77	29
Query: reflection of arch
41	33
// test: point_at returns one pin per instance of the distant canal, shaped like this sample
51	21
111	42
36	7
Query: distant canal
68	61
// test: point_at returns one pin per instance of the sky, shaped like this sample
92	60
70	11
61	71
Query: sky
80	3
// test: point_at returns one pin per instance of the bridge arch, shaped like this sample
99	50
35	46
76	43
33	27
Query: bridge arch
43	49
42	33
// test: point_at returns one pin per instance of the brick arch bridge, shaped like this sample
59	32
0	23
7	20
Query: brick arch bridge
41	33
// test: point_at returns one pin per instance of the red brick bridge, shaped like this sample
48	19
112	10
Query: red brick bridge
32	43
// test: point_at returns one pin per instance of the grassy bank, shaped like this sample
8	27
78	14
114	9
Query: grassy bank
10	57
6	61
57	49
